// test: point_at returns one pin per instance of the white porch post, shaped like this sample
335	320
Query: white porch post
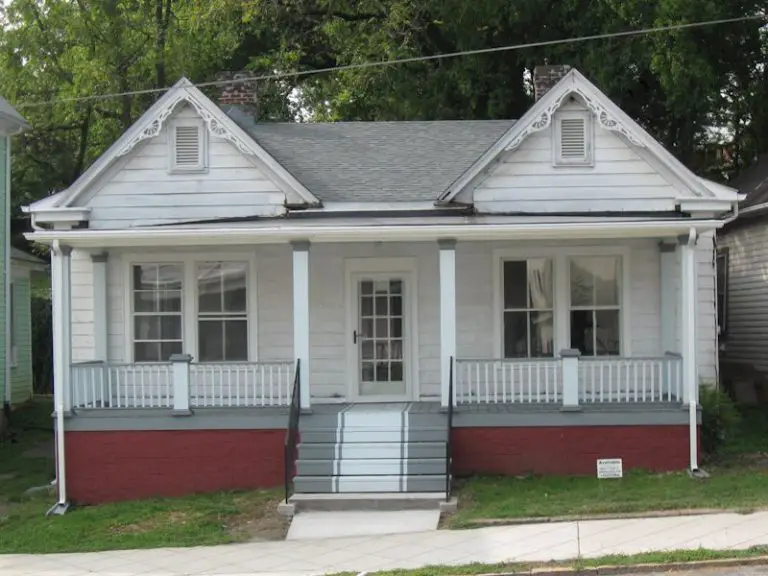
669	314
688	335
100	306
447	317
61	272
180	374
301	316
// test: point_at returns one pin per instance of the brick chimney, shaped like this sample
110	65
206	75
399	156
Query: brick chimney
546	76
242	93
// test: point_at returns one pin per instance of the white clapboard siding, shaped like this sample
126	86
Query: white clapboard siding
526	179
746	339
142	190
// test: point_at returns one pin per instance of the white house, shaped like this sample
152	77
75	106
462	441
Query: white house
553	274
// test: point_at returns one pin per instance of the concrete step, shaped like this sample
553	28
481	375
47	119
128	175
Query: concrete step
369	501
372	434
371	467
368	484
367	450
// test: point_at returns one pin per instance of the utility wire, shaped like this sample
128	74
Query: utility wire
362	65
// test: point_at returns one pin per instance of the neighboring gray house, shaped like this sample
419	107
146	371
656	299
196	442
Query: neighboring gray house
742	282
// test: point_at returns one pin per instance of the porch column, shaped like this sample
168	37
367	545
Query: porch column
447	317
62	324
669	313
100	306
301	316
689	310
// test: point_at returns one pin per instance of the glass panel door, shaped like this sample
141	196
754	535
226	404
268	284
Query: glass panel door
380	336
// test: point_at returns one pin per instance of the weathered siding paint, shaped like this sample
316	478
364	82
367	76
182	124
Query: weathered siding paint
747	309
21	371
140	190
328	337
621	179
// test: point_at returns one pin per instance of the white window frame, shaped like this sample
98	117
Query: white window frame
560	254
202	166
589	138
189	296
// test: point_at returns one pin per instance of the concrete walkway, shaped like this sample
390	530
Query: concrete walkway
534	542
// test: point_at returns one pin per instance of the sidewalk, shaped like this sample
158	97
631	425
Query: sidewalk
534	542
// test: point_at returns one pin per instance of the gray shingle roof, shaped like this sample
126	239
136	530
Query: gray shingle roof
376	161
753	182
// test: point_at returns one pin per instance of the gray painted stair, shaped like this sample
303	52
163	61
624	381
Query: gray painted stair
369	448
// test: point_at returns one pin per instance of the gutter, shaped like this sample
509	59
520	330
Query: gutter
285	231
693	437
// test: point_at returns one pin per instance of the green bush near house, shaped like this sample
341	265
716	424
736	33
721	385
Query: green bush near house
720	419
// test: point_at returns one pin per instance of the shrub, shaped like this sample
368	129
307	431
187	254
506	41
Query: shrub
719	418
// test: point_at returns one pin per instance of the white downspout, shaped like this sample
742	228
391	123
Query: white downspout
7	263
693	308
57	274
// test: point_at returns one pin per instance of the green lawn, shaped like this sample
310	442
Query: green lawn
195	520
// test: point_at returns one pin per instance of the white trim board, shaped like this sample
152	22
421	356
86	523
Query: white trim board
408	269
561	295
189	300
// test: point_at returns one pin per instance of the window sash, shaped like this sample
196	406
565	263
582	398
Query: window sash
595	308
530	310
213	343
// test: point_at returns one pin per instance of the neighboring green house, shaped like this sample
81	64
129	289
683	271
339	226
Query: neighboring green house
16	267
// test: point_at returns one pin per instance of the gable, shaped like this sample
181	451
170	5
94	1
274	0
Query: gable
615	176
131	183
144	189
619	167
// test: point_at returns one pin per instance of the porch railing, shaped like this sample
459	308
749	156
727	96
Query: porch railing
251	384
630	379
509	381
101	385
569	380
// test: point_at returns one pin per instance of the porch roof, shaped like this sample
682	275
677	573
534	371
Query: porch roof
384	228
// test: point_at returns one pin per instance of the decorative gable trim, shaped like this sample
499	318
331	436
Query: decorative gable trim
217	123
608	116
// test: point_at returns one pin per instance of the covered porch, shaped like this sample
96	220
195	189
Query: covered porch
565	316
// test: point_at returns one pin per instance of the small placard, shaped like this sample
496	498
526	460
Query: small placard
610	468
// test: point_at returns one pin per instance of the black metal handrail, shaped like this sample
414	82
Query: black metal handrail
448	458
292	433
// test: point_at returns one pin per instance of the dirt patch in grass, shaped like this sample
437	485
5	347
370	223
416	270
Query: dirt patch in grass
257	520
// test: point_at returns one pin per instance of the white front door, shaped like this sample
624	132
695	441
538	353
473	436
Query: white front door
380	336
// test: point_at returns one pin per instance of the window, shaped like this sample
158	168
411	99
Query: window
573	139
722	289
528	308
222	311
188	148
157	324
595	306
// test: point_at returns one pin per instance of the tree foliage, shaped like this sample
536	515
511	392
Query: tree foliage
699	91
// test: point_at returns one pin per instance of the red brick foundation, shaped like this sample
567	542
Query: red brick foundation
572	450
111	466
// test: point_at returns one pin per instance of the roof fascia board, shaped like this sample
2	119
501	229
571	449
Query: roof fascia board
217	122
368	232
609	116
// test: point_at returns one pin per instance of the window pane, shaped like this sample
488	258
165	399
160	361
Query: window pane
168	349
366	350
170	327
396	328
540	283
145	276
235	282
542	334
515	334
144	302
396	286
381	306
515	284
366	306
222	286
397	306
146	352
366	287
366	371
210	335
169	301
382	372
381	328
581	331
607	333
146	328
396	371
236	340
581	283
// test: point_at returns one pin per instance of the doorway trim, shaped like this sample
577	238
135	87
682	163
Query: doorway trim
408	269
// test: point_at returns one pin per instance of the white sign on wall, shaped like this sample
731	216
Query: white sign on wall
610	468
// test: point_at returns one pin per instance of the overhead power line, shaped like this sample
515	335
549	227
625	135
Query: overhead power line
396	61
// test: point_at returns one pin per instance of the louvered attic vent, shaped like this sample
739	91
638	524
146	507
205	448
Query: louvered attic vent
188	148
573	144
